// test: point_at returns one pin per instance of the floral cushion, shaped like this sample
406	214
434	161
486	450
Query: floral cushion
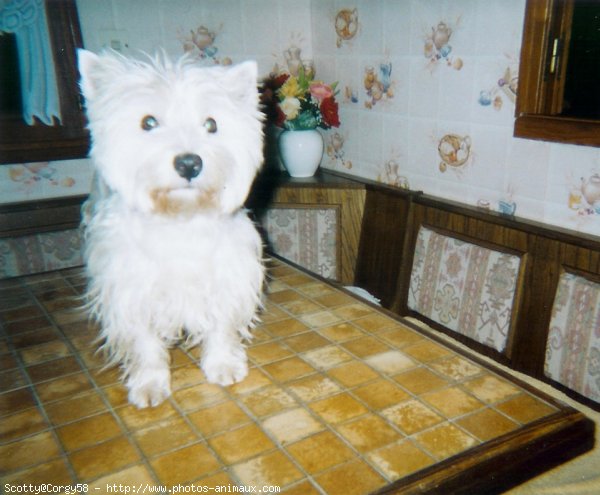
464	287
573	347
306	236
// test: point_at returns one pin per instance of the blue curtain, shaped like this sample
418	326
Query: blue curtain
27	20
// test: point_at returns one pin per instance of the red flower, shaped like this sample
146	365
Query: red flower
280	80
270	101
329	112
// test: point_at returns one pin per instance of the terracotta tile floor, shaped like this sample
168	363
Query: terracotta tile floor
339	399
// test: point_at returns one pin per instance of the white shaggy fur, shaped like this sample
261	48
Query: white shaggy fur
170	255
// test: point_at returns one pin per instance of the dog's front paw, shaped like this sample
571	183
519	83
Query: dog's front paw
225	371
149	389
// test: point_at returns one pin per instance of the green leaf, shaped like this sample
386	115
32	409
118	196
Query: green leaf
304	121
303	81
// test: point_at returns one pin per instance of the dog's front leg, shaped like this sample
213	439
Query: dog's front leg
224	360
147	371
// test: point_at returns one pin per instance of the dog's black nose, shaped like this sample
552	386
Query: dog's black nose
188	165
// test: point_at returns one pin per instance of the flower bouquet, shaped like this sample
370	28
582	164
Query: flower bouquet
301	103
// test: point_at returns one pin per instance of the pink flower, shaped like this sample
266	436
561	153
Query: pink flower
320	91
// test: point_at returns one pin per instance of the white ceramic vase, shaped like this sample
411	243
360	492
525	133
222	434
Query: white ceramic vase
301	151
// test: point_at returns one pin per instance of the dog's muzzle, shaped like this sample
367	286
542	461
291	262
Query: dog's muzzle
188	165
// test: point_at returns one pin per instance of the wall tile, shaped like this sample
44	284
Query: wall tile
498	24
141	22
527	167
493	97
371	131
489	157
370	16
423	156
457	91
324	37
423	90
261	16
396	28
424	15
395	142
349	77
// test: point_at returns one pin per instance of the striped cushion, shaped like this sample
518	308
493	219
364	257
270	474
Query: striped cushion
306	236
573	347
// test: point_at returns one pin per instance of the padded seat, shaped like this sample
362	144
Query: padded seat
465	287
573	346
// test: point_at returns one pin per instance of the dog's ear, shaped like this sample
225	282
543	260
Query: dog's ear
87	63
98	70
242	83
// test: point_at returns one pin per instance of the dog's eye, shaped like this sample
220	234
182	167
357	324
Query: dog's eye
210	125
149	122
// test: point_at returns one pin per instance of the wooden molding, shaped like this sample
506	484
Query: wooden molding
35	217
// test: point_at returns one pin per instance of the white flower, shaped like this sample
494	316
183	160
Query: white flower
290	107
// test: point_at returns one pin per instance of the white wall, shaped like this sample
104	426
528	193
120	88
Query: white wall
432	95
436	93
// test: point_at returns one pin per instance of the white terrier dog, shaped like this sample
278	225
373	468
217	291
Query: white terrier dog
170	251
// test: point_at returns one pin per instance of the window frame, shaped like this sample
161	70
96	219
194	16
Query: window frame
68	139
